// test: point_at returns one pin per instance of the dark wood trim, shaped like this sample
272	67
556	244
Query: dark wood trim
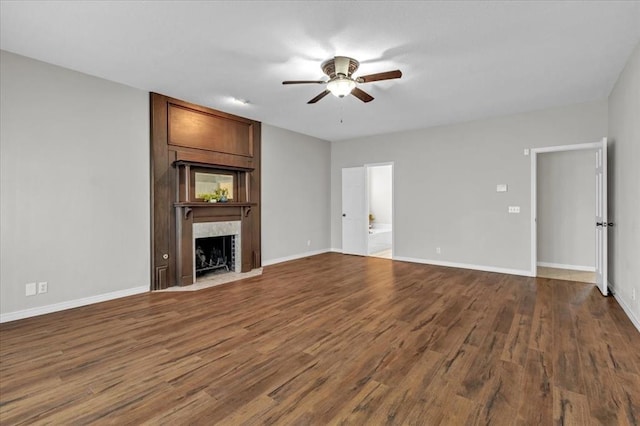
162	188
210	166
174	207
221	160
205	204
255	190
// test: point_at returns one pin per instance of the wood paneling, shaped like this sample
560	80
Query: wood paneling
255	185
191	128
185	132
163	181
222	160
331	339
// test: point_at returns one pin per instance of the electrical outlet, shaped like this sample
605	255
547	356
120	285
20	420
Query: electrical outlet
43	287
438	251
30	289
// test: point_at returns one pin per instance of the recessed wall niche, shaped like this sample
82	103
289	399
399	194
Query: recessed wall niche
194	152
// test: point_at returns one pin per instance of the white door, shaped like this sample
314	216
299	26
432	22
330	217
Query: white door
354	211
602	223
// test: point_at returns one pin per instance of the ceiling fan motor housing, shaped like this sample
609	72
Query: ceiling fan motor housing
340	65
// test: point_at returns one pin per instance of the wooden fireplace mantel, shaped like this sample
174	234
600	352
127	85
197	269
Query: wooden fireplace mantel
188	213
187	138
207	204
188	206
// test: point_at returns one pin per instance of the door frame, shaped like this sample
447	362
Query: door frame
393	204
534	190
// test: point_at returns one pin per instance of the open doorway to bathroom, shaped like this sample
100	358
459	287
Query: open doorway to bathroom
566	200
380	197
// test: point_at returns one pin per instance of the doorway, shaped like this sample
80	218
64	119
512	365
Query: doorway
380	202
565	211
367	210
548	221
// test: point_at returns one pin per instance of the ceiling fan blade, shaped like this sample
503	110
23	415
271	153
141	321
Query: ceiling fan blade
389	75
320	96
303	82
362	95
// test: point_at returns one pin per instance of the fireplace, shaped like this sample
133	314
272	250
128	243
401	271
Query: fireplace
205	167
216	248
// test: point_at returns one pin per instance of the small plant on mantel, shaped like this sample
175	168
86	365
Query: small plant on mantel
220	194
209	198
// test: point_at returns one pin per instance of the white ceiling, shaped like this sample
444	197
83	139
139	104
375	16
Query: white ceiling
461	60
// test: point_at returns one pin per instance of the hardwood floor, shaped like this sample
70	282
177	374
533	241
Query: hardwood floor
331	339
385	254
566	274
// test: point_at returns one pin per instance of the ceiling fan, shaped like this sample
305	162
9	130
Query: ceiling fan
341	81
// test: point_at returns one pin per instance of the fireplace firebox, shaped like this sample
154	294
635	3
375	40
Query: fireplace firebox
214	255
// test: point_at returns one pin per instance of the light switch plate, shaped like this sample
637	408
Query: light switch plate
501	187
514	209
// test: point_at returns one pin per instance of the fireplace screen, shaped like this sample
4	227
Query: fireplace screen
214	254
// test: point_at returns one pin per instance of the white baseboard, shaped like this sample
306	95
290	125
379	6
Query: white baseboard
47	309
627	309
570	267
294	257
335	250
521	272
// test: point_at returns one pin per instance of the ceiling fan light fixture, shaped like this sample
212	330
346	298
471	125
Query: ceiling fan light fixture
341	86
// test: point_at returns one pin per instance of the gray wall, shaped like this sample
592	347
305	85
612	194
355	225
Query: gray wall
295	194
380	193
566	209
624	184
445	183
74	194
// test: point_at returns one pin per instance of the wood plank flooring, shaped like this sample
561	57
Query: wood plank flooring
566	274
331	339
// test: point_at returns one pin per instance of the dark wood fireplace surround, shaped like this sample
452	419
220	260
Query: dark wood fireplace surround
187	138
